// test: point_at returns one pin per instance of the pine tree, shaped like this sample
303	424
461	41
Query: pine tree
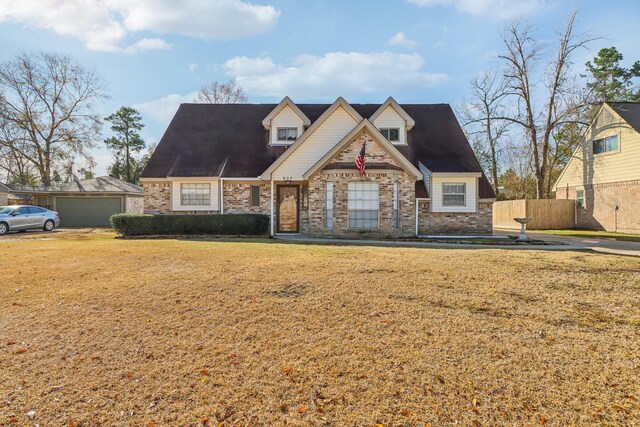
125	124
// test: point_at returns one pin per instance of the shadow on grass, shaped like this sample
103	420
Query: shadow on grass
479	243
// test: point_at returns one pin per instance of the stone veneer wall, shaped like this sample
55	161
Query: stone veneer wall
157	197
237	198
599	211
455	223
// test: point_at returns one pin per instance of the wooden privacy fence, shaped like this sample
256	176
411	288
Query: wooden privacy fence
545	213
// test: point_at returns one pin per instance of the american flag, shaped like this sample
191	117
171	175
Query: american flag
360	159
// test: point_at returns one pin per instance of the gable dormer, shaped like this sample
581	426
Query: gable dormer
285	123
393	122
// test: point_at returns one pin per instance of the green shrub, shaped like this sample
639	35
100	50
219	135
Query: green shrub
227	224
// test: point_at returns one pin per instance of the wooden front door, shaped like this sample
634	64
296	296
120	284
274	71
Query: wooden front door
288	208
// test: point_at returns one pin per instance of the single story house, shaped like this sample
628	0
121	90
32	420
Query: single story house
85	203
603	175
297	164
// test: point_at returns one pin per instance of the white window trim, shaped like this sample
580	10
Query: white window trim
329	205
464	194
578	198
182	184
396	141
396	206
618	135
377	210
286	141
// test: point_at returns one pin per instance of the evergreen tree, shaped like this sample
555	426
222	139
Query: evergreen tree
125	124
610	81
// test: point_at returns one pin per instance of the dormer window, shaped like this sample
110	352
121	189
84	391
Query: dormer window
392	134
287	134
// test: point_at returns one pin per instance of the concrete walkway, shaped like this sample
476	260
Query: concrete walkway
565	243
603	245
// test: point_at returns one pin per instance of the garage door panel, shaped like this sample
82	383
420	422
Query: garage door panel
87	211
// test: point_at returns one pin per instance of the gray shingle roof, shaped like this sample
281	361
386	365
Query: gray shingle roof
629	111
229	140
103	184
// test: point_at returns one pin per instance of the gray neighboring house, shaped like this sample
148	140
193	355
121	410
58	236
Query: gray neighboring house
85	203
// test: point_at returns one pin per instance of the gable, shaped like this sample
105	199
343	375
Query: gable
389	118
316	145
285	118
587	168
383	149
376	155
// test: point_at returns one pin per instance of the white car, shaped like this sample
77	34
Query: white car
22	218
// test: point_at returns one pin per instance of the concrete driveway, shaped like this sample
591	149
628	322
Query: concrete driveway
603	245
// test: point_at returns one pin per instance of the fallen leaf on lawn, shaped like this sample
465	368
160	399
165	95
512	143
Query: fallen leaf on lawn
476	423
379	425
286	371
73	424
543	420
204	371
10	343
152	424
302	410
204	421
13	420
21	350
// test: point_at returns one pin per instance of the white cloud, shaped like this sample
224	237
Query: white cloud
147	44
335	73
103	25
400	39
163	109
193	67
500	9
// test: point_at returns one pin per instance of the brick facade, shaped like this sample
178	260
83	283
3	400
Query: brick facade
600	201
312	214
237	198
341	178
455	223
157	197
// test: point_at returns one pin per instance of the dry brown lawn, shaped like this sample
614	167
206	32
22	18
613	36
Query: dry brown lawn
98	331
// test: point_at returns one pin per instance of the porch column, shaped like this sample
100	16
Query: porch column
271	222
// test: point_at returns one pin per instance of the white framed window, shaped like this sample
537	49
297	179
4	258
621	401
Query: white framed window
195	194
580	197
453	194
392	134
363	204
604	145
396	216
287	134
329	205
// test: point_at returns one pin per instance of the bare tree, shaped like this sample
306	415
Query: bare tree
547	103
47	101
481	119
221	93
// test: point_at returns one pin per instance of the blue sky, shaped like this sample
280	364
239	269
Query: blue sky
153	55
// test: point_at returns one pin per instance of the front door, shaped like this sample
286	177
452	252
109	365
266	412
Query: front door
288	208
